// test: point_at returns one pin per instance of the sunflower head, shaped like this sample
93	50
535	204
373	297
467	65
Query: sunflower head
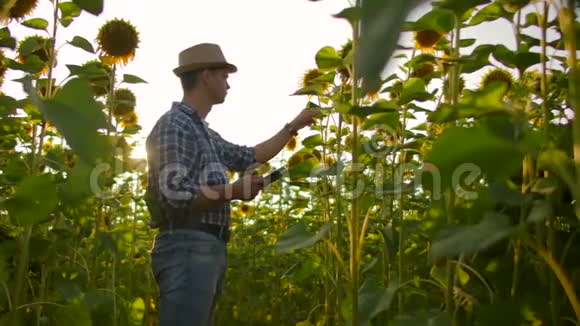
99	75
497	75
426	39
291	145
396	89
246	209
22	8
5	6
308	79
460	87
423	70
129	119
35	45
124	102
117	41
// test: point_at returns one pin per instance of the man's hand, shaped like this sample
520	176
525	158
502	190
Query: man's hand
247	187
305	118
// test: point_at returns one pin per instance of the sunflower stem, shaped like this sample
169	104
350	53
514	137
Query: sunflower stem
354	219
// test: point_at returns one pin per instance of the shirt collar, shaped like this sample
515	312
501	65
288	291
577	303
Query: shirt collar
190	111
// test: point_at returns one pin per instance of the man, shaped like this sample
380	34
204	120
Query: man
188	191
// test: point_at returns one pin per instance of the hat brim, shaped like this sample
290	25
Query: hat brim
196	66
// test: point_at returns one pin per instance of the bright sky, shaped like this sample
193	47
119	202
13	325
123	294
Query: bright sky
271	42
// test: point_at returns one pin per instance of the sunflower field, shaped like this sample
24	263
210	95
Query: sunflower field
445	192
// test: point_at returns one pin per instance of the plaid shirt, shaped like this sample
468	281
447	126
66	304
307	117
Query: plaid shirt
183	154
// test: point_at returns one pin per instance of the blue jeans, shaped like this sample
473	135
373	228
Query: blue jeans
189	267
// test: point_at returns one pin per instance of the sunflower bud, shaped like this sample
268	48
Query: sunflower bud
498	75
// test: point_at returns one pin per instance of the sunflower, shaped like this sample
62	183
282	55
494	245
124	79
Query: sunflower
291	145
426	39
498	75
22	8
5	6
124	102
128	119
309	78
396	89
41	50
98	74
372	96
246	209
423	70
117	41
460	87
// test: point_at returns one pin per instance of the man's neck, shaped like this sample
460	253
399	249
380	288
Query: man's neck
198	103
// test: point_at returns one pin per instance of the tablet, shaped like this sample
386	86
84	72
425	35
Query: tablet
274	176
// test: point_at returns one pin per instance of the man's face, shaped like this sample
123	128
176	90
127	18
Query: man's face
217	84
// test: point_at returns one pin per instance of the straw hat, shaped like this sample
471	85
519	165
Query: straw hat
204	55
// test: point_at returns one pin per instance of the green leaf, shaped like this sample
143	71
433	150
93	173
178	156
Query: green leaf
474	104
467	42
94	7
297	237
524	60
459	7
532	19
474	150
351	14
504	55
440	20
33	201
83	43
132	79
489	13
77	185
434	319
381	23
380	106
478	58
473	238
541	210
388	120
312	141
303	169
36	23
374	299
414	89
558	162
69	9
32	64
74	314
30	46
6	40
78	117
316	89
327	59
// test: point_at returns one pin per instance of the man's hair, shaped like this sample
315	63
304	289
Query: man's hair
189	79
